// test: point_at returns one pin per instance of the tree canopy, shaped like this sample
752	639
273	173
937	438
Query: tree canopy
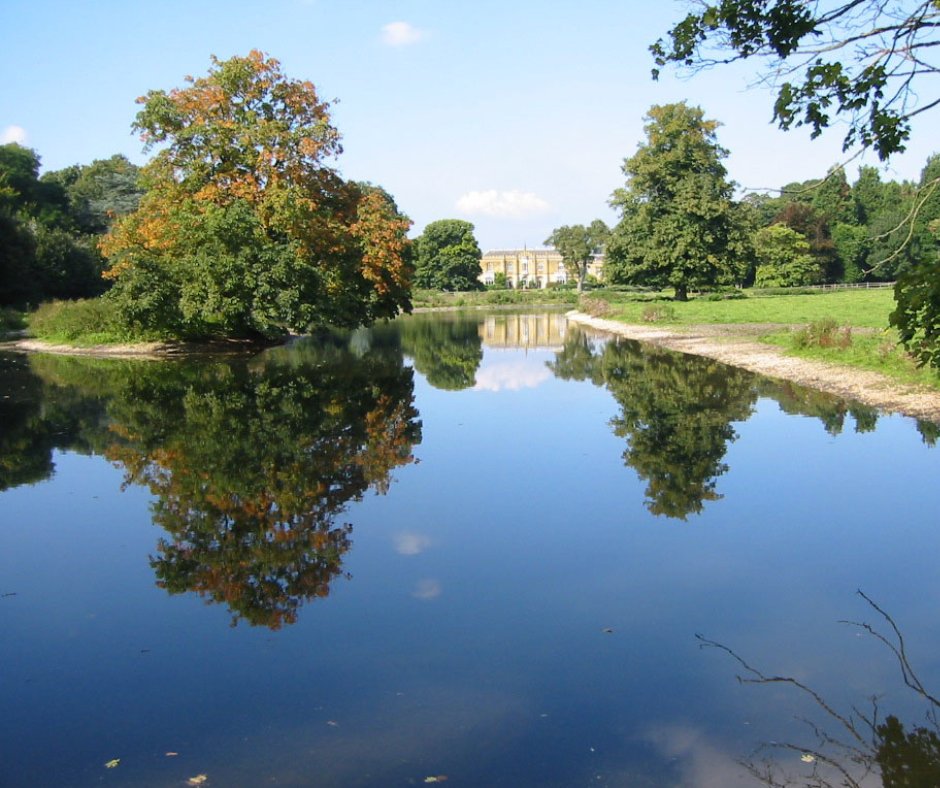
448	256
678	223
856	63
245	228
50	225
577	246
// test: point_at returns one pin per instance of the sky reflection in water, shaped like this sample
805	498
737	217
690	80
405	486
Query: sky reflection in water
491	566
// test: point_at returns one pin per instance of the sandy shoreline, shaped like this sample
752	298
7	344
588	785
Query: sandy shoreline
731	345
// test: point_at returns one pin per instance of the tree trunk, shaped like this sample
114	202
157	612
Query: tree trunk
682	293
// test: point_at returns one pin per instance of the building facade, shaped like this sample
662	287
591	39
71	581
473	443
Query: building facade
531	268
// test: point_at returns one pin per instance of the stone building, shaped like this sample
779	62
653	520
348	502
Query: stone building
531	268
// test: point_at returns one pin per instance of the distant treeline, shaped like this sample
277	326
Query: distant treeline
871	230
50	225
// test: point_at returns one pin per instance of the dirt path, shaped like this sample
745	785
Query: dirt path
731	344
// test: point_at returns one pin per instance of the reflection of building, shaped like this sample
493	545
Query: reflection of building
531	267
526	331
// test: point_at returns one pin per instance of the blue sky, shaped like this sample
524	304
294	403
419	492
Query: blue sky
514	115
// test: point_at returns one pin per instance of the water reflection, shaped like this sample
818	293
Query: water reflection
676	415
445	348
251	463
858	746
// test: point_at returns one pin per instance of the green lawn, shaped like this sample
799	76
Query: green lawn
861	308
874	347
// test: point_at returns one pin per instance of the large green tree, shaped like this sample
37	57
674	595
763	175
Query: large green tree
45	249
678	223
578	246
860	64
246	229
448	257
783	258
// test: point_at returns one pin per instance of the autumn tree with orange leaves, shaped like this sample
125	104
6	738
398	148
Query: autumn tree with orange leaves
246	230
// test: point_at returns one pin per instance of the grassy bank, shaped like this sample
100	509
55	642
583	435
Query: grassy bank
435	299
81	323
860	308
844	326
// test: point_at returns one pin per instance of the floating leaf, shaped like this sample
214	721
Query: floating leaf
436	778
112	763
807	758
607	630
171	754
199	779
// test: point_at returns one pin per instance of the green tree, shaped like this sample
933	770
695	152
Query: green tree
578	245
99	193
868	194
851	244
245	227
783	258
677	227
43	251
856	63
832	198
448	257
917	307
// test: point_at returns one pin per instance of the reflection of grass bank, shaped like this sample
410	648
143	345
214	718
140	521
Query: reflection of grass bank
865	340
436	299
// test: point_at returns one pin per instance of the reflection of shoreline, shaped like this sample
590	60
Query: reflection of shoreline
729	345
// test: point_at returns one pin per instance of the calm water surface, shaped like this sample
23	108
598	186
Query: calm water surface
469	546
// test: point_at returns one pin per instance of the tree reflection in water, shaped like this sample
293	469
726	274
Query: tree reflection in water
676	415
446	348
251	463
678	412
855	747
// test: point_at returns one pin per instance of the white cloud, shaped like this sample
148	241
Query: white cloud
513	204
410	543
401	34
427	589
511	376
13	134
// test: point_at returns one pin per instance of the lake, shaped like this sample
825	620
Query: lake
480	548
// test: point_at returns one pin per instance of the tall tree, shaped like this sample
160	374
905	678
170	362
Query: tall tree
245	228
858	63
783	258
678	224
578	245
448	257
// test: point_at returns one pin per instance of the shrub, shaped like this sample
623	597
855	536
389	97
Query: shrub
824	333
656	313
596	307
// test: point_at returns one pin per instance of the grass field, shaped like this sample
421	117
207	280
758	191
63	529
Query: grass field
864	340
860	308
